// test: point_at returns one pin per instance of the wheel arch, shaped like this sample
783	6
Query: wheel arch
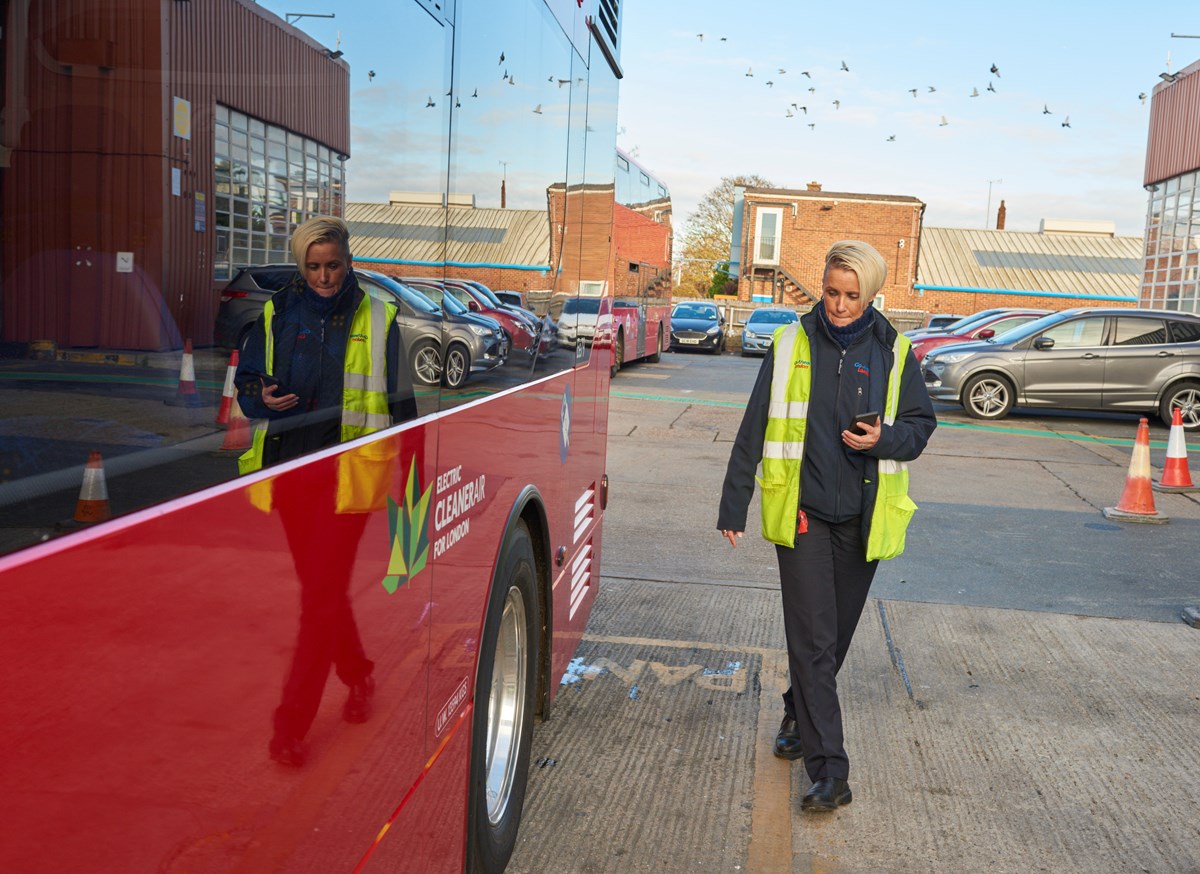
530	508
989	370
1172	383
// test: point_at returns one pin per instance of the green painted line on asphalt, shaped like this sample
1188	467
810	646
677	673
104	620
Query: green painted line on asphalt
967	426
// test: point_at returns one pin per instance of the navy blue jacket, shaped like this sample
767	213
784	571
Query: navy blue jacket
837	483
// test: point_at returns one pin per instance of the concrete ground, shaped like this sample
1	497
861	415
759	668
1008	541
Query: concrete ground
1020	696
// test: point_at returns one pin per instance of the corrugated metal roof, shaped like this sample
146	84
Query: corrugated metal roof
1070	264
504	237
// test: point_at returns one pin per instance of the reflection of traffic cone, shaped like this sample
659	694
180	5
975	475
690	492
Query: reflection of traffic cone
92	505
229	391
1137	501
185	395
237	434
1175	477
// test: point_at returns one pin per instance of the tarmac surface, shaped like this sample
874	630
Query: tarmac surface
1021	694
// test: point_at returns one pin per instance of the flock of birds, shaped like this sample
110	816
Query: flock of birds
794	109
430	103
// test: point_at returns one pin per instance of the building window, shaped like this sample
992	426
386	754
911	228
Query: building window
766	236
267	181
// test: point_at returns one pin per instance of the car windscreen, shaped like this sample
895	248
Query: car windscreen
581	305
410	296
692	311
771	317
487	293
968	322
1016	335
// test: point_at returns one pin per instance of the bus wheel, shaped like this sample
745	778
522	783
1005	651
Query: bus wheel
502	730
657	356
457	367
618	354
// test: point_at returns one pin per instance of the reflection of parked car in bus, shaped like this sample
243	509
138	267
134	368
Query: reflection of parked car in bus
243	298
516	298
523	329
577	321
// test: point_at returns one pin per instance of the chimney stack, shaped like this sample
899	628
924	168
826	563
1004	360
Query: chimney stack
1000	214
814	186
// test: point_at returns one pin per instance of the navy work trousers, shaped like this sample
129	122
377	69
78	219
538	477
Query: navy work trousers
824	579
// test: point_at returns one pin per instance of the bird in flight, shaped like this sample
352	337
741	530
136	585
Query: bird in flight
974	92
790	114
770	84
476	94
1142	97
1046	110
750	71
429	103
782	72
990	88
370	75
505	76
837	104
724	39
1067	121
501	59
912	91
845	69
812	90
995	71
457	105
537	110
932	89
562	82
512	80
943	122
805	73
700	37
803	109
892	138
812	126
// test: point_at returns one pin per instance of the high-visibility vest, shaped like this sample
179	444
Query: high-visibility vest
783	449
364	376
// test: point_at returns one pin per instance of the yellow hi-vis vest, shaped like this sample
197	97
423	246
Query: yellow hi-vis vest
783	449
364	405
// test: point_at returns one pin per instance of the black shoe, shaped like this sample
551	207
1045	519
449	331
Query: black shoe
358	704
828	793
287	751
787	742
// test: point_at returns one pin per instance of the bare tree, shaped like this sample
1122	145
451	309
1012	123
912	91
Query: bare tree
706	240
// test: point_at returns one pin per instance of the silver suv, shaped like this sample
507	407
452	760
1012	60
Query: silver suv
1091	358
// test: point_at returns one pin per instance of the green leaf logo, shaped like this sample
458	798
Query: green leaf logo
408	527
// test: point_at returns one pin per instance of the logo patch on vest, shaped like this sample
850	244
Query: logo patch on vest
862	368
802	362
358	338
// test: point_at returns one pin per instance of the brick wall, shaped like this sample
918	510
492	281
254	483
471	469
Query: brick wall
493	278
966	303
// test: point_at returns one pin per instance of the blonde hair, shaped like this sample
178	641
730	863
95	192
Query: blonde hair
862	259
319	229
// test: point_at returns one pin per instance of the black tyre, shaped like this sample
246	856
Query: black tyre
618	354
457	366
988	396
1186	397
658	348
427	362
720	347
505	683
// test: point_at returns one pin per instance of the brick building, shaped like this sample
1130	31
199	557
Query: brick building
780	238
1065	264
642	251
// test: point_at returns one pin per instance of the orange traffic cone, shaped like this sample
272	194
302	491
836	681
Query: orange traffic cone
1176	477
92	505
229	391
238	433
186	395
1137	501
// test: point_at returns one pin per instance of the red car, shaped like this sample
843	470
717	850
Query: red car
993	326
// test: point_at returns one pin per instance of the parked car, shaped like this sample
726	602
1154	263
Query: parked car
462	358
523	332
759	330
441	347
697	325
941	321
981	329
1092	358
578	321
243	299
516	298
960	325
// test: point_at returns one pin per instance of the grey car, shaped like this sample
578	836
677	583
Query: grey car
759	330
1091	358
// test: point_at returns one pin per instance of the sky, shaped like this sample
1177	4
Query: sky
692	115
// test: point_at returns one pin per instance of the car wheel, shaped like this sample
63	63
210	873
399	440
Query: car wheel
427	363
719	347
657	356
1184	396
988	396
457	366
502	730
618	354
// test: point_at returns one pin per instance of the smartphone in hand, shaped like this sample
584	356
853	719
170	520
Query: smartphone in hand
871	418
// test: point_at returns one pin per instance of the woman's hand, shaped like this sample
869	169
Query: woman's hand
277	404
864	439
733	537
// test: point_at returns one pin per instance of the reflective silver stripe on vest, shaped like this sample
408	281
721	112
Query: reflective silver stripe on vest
362	382
890	465
784	344
783	450
788	410
893	399
355	419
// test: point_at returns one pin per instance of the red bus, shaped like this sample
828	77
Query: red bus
161	610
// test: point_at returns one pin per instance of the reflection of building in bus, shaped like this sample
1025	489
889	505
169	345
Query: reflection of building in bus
642	232
118	230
